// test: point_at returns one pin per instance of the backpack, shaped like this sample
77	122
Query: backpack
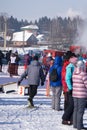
53	75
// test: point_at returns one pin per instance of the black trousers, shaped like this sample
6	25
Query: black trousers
68	113
32	91
66	100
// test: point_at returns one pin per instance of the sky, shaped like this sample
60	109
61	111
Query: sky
14	114
34	9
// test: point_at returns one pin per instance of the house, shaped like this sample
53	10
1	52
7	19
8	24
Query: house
41	38
24	38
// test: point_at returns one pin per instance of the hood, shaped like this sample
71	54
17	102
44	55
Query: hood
81	66
79	70
58	60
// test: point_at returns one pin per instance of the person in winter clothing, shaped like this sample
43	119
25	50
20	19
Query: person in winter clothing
26	61
8	54
79	94
17	62
68	114
35	75
47	78
46	62
66	58
57	85
64	85
1	57
12	64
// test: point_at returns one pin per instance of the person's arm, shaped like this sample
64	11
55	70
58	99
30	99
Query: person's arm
85	80
22	77
42	76
69	78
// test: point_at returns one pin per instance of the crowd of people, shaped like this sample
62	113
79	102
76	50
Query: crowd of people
71	80
13	60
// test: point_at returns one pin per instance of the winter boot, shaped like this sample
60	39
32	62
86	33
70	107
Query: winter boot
30	102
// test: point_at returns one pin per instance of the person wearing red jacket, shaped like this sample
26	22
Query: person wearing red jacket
66	58
65	119
65	88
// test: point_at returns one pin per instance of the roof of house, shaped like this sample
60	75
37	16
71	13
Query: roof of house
32	27
40	36
21	36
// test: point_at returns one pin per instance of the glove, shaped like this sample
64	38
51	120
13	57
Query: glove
70	92
18	83
42	83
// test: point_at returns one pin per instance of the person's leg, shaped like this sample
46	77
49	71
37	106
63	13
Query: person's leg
32	93
68	113
16	69
66	100
53	97
75	112
81	107
58	91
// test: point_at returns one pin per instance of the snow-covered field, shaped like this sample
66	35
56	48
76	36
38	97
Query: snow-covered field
15	116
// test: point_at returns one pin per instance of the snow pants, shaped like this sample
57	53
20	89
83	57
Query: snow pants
32	91
56	94
66	100
68	113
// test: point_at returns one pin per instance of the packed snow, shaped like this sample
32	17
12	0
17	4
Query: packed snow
14	114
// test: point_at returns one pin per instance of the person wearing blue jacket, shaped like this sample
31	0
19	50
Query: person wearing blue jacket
57	85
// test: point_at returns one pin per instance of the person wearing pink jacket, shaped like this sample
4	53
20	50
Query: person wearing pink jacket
79	94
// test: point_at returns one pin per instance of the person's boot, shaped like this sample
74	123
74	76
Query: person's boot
30	102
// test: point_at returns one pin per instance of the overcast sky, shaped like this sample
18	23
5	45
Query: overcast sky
35	9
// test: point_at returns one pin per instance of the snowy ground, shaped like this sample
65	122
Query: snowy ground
15	116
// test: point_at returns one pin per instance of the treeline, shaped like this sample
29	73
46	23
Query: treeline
57	28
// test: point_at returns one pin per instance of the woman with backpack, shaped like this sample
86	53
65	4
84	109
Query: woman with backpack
56	84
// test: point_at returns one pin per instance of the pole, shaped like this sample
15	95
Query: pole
5	34
23	39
